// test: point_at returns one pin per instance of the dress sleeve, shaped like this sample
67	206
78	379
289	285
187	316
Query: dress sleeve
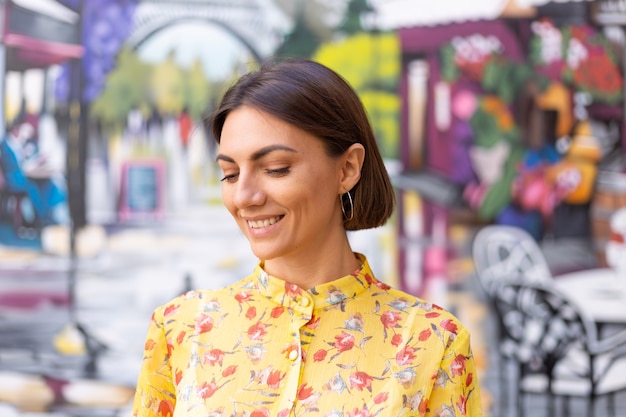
456	391
155	395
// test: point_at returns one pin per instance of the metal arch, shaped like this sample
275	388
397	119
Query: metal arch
258	24
257	56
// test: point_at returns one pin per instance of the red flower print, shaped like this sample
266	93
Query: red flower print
449	325
304	392
257	331
457	367
468	380
462	404
290	348
313	323
149	345
171	310
424	335
423	406
170	347
263	412
396	340
344	341
361	380
207	389
381	398
251	313
213	357
405	356
243	296
204	324
284	412
229	371
166	408
292	290
359	413
369	279
274	378
382	285
390	319
277	311
180	337
432	315
320	355
178	376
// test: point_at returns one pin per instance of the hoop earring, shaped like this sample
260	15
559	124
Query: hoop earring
343	209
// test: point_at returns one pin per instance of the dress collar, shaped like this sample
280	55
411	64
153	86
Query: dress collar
323	295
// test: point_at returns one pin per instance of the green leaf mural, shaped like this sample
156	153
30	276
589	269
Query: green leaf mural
371	64
126	88
167	85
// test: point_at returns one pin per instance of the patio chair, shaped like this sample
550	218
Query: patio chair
503	253
508	252
558	347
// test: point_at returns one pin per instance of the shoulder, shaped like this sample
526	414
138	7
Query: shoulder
198	302
422	315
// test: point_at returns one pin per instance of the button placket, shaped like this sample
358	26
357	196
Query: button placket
305	301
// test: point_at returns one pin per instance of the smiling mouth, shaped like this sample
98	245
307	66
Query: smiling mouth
263	223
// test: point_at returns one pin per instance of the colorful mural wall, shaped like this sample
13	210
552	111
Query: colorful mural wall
147	74
499	113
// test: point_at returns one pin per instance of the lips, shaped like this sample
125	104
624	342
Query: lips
257	224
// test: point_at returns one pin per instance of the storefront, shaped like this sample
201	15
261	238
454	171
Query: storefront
35	34
489	94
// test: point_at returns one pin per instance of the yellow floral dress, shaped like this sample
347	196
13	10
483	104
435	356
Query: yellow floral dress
353	347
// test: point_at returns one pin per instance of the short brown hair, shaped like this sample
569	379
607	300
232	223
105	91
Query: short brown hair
314	98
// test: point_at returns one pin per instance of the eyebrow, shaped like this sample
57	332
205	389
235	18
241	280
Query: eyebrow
259	154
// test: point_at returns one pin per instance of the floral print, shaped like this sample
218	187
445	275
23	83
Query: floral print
353	347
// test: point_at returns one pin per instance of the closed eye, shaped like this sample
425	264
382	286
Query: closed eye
278	172
229	178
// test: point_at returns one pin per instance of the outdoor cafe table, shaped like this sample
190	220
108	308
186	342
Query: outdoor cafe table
601	293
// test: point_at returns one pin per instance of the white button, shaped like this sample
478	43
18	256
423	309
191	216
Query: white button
304	302
293	355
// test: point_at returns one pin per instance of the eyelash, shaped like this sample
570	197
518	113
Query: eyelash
274	172
228	178
278	172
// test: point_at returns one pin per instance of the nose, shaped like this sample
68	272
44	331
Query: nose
248	191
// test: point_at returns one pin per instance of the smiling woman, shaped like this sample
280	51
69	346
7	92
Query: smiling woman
311	330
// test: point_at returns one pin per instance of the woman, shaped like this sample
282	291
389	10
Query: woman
311	331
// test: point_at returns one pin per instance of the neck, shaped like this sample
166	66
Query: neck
328	264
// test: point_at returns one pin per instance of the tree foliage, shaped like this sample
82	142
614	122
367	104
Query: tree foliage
198	91
167	86
371	64
301	42
126	88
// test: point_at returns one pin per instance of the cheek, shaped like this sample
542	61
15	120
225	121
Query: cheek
227	200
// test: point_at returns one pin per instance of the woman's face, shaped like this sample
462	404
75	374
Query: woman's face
280	185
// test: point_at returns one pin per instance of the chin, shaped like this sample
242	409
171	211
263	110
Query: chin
264	254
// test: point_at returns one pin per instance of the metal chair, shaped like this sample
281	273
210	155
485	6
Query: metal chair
506	253
558	347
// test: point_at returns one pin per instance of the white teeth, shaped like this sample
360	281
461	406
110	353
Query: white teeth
262	223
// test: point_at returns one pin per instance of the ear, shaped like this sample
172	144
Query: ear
351	164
